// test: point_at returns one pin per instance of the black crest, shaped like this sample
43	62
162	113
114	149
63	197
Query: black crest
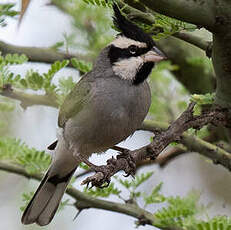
129	29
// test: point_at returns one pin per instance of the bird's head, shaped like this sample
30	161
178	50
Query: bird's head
133	53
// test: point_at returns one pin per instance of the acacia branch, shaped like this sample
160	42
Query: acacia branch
39	54
84	201
196	41
28	99
163	138
196	12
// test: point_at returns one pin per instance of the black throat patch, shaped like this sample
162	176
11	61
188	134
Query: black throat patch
143	73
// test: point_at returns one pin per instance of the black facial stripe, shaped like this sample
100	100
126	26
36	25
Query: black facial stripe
116	53
143	73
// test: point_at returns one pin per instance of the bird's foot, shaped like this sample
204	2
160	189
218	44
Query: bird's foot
100	179
130	168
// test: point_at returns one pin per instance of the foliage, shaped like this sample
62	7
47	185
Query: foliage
6	10
33	80
203	99
82	66
216	223
36	81
84	15
166	26
163	108
155	196
132	185
103	192
10	59
16	152
178	210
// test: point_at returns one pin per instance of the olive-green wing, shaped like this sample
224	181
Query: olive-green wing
74	101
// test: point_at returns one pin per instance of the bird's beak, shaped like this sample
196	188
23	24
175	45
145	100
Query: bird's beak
154	55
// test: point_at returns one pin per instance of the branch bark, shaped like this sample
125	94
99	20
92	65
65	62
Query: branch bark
195	144
39	54
196	41
196	12
28	99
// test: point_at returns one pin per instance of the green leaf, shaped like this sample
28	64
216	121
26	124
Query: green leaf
23	83
55	67
216	223
155	196
81	65
103	192
203	99
84	166
179	210
6	10
57	45
17	152
140	179
13	59
134	184
26	197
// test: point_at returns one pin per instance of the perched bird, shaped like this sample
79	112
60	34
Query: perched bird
105	107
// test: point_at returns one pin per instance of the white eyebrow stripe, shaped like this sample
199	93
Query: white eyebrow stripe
123	43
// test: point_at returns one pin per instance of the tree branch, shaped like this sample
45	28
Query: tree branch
84	201
196	12
195	144
28	99
196	41
35	54
162	140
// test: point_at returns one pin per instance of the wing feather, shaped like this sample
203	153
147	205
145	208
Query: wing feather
74	101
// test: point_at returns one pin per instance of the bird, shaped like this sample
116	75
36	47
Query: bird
105	107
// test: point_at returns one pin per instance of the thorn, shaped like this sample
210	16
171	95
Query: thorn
77	214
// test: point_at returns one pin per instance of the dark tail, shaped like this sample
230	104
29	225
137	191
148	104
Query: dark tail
46	199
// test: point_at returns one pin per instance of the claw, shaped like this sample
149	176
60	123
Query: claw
91	185
88	185
126	175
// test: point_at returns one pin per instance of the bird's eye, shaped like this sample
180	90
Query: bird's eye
132	49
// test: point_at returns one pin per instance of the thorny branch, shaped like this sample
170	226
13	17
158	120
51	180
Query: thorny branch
128	159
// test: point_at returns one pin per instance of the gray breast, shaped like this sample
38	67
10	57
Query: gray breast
116	109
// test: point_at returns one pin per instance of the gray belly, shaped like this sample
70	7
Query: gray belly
114	112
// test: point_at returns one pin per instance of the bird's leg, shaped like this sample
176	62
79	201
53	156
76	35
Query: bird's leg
104	172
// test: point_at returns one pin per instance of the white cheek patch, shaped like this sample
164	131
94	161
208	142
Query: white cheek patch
128	68
123	43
